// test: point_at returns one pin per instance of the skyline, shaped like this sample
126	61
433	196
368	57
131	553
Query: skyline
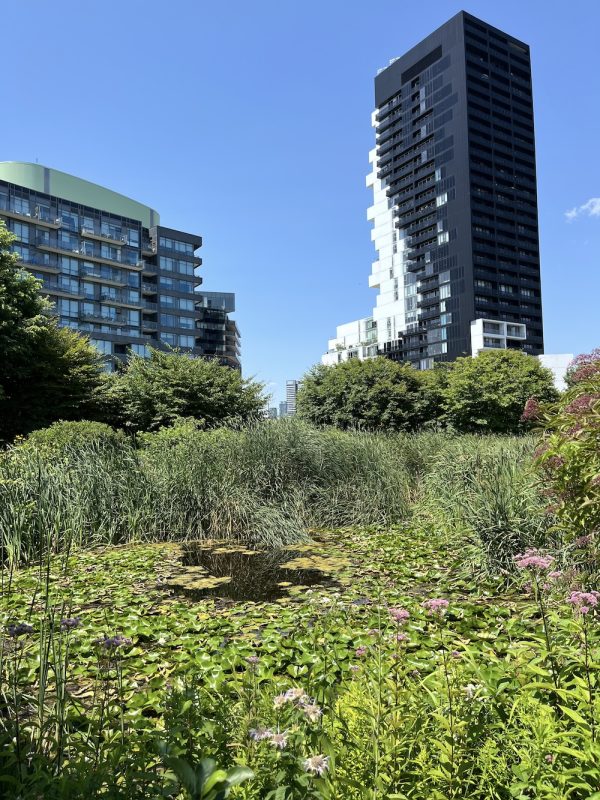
279	194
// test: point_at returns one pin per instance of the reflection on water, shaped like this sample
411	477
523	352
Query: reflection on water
238	573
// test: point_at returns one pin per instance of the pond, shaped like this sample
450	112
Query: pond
240	574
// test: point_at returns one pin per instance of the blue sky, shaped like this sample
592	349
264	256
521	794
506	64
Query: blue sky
250	124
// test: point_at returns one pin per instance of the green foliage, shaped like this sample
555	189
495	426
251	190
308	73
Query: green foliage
46	372
61	436
377	394
493	697
156	391
488	393
570	457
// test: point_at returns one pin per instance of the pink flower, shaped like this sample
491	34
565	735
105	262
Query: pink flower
581	404
400	615
531	411
583	602
582	541
401	637
555	575
361	651
436	607
549	758
533	560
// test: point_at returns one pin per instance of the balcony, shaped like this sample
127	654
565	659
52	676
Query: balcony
116	239
148	249
35	218
149	325
95	275
149	288
105	319
150	270
36	264
53	288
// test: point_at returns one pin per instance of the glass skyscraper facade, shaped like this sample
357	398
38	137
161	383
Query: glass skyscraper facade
454	213
111	270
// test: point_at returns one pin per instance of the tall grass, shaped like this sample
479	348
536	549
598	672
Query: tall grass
267	483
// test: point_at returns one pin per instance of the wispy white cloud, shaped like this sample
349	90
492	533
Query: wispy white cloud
589	209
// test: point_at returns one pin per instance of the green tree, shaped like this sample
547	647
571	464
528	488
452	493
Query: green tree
488	393
161	389
377	394
47	373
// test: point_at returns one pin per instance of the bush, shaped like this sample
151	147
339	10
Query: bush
159	390
487	393
62	436
569	457
377	394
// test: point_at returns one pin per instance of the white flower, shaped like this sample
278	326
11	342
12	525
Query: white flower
317	764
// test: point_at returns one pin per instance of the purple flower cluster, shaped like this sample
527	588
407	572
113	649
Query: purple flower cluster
361	651
436	607
399	615
19	629
69	623
112	642
584	366
533	560
531	412
278	740
583	602
581	404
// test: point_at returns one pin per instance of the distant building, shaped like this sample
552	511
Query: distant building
454	214
283	410
271	413
558	363
112	271
291	392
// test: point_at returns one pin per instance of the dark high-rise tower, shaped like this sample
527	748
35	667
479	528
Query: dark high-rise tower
454	213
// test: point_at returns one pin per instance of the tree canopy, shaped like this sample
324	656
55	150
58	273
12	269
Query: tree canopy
158	390
377	394
488	393
47	373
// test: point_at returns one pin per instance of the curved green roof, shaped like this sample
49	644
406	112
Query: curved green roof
68	187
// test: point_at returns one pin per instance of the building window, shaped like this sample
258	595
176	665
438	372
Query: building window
169	338
103	346
186	341
441	199
443	237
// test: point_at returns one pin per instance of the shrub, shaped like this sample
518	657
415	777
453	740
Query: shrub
61	436
569	457
487	393
377	394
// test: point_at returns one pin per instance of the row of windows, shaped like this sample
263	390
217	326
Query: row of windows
182	303
176	265
175	321
173	340
177	246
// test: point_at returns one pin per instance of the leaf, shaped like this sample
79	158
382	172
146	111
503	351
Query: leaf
575	716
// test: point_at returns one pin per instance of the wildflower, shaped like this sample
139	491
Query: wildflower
596	480
312	711
317	764
279	740
555	575
436	606
555	462
361	651
549	758
582	541
69	623
280	700
354	668
259	734
20	629
581	404
455	654
399	615
531	411
252	660
583	602
401	637
374	632
533	560
113	642
295	695
470	690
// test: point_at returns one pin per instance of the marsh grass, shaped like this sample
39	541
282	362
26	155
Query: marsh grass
267	483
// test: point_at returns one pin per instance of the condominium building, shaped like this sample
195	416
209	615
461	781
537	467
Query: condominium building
291	393
111	269
454	213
